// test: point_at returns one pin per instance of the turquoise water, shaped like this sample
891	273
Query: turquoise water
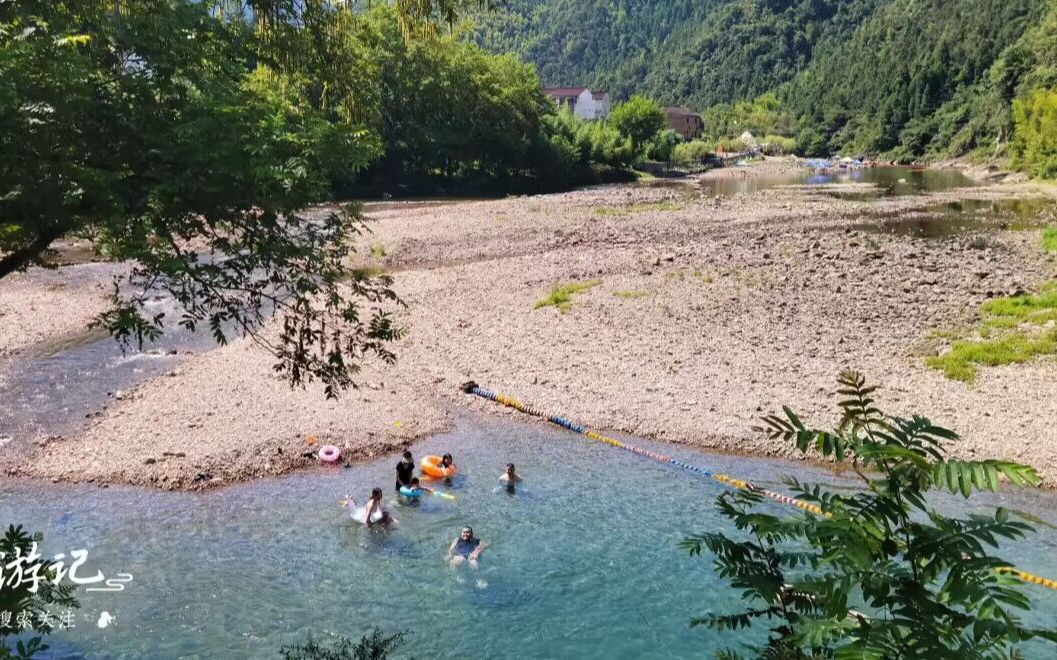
583	561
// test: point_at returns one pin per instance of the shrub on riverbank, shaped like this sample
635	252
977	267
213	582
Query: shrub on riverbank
1011	332
693	152
881	573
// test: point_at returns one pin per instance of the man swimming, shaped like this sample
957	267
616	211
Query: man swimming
466	548
509	477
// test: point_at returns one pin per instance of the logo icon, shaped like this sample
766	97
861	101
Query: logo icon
105	619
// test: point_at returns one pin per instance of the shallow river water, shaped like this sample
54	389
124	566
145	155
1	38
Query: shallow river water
583	563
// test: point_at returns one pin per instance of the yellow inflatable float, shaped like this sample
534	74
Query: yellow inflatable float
431	467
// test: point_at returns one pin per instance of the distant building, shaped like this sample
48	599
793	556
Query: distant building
685	123
584	103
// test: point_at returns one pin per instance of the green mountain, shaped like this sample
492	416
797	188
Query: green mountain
903	77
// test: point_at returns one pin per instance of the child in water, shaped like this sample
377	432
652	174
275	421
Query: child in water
446	461
414	490
371	514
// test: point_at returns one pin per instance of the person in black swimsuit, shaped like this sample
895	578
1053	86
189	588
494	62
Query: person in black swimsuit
466	548
405	470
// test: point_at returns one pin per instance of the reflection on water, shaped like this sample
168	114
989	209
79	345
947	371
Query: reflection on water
968	216
583	553
888	181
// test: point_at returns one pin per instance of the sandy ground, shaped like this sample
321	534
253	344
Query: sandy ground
708	313
42	305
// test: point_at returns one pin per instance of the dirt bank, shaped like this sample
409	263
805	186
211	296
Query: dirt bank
706	314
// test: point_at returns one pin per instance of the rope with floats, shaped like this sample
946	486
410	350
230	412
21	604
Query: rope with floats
740	484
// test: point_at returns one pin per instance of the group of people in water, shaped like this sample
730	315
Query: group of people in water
467	547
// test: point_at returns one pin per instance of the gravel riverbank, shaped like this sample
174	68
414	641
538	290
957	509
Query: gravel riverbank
708	311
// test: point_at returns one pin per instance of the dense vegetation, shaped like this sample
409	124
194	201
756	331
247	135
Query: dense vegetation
899	78
680	51
916	79
189	138
882	573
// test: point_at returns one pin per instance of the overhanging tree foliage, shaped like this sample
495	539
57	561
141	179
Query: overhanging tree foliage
187	145
883	574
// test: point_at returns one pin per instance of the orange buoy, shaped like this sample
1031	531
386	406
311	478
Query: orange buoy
431	468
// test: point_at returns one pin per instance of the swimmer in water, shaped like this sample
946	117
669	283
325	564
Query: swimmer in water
417	489
466	548
373	513
510	477
375	504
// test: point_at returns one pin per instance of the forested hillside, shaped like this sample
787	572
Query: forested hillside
905	78
679	51
916	79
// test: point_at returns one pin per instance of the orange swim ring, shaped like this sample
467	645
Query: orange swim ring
431	467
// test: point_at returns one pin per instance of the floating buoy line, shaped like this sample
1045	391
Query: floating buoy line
510	402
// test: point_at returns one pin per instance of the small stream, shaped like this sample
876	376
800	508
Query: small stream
583	560
51	389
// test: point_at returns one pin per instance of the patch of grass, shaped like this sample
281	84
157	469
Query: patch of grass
561	295
1004	336
1049	239
378	251
1035	308
640	207
675	275
965	356
630	295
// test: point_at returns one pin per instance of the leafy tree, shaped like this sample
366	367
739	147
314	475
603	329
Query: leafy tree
662	145
882	574
449	112
374	646
24	605
639	119
146	131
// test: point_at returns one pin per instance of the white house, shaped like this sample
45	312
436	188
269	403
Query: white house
585	104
